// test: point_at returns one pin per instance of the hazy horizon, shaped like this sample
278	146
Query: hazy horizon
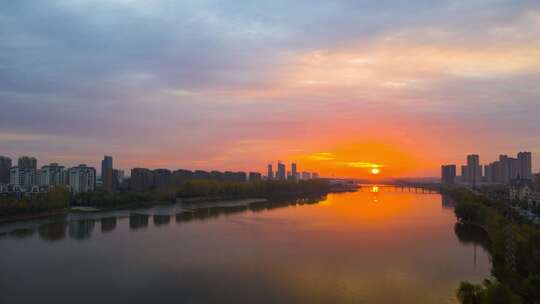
337	87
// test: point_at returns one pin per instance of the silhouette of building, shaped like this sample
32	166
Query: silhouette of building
82	179
180	176
525	165
294	172
448	174
281	173
314	175
162	178
270	175
51	175
22	178
474	170
5	167
254	176
306	175
464	174
27	162
107	173
235	176
142	179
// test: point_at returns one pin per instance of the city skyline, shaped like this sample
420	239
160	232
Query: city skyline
339	86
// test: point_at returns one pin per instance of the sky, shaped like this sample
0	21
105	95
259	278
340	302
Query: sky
339	87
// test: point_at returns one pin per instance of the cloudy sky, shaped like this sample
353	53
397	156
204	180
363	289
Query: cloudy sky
337	86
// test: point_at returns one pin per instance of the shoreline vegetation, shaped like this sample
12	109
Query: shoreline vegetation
513	243
60	200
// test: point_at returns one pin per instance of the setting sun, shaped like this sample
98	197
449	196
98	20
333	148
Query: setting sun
375	171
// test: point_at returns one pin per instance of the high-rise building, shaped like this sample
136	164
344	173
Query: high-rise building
254	176
51	175
162	178
525	165
474	170
5	167
448	174
306	175
464	174
281	172
270	175
142	179
24	178
107	173
294	173
82	179
27	162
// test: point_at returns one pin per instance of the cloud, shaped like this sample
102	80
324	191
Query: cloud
174	79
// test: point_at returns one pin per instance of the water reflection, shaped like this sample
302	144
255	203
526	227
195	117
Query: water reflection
108	224
138	221
53	231
81	229
447	202
161	220
472	234
22	233
345	250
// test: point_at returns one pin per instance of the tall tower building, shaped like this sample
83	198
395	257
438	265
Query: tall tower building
82	179
27	162
107	173
281	172
5	167
525	165
294	173
448	174
474	170
270	172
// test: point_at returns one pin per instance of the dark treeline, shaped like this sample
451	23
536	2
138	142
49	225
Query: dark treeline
514	246
205	189
56	199
60	198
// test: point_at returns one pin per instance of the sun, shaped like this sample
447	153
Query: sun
375	171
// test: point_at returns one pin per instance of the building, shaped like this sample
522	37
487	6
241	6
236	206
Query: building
270	175
281	173
162	178
27	162
5	167
294	172
235	176
448	174
180	176
521	189
474	170
314	175
51	175
107	173
254	176
464	174
142	179
525	165
306	175
82	179
22	178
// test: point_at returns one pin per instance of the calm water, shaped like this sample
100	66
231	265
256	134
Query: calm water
364	247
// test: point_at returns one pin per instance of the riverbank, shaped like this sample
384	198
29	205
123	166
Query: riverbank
193	192
515	250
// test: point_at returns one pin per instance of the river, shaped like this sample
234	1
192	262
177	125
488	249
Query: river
378	245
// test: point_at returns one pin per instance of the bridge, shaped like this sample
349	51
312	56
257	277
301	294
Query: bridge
402	187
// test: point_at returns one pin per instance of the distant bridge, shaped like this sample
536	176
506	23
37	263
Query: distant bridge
404	187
